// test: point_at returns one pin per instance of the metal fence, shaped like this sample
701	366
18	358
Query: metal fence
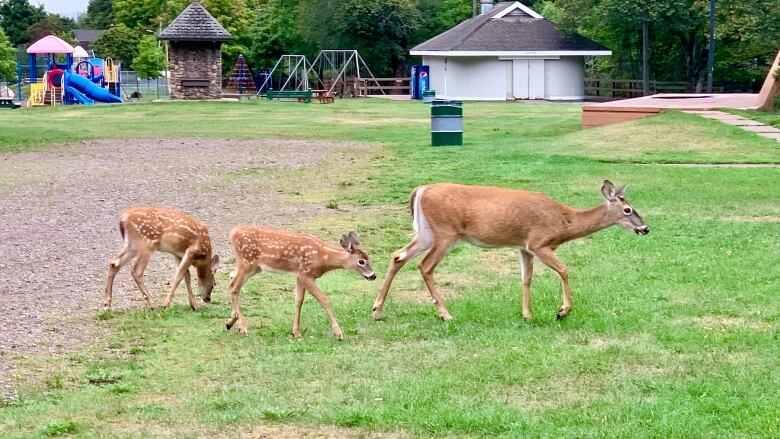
147	88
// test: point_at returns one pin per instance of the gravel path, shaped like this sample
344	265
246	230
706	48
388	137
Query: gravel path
59	223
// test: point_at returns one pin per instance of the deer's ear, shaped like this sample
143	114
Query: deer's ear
608	190
620	191
214	262
346	243
353	237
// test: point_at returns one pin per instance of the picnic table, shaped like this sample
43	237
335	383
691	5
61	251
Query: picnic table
8	103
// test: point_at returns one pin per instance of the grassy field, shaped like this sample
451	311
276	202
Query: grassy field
675	334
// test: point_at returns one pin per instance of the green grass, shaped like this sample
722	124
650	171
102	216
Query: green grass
673	334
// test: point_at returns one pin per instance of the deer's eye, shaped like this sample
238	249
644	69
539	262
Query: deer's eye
627	210
362	262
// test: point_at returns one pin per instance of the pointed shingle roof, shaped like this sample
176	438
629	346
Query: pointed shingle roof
195	24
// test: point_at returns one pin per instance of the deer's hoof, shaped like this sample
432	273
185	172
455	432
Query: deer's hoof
338	334
243	332
561	314
228	326
377	314
527	318
446	317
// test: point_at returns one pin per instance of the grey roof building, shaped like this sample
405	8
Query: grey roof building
195	24
508	52
85	37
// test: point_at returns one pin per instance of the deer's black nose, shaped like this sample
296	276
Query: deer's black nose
372	277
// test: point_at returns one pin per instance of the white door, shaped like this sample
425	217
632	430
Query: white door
528	78
520	78
535	79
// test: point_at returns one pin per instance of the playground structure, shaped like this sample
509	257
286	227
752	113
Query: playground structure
289	73
241	79
88	81
333	72
342	72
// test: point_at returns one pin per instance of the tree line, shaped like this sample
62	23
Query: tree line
747	32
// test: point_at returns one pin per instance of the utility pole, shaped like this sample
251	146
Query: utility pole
473	8
711	51
645	59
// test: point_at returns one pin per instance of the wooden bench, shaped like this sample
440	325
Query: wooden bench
323	96
8	103
301	95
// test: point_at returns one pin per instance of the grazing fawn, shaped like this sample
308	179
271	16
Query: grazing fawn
446	213
146	230
304	256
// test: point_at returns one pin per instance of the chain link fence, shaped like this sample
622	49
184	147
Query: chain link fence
144	89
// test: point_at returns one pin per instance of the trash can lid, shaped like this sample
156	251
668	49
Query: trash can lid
438	102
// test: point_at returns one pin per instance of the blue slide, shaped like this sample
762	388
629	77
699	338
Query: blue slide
87	90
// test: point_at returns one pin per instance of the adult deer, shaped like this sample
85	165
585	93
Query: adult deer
146	230
304	256
446	213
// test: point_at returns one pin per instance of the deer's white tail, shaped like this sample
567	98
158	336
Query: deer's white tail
420	224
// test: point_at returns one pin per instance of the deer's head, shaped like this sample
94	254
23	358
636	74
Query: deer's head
619	208
358	259
206	268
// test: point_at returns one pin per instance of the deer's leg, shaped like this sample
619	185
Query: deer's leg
547	256
237	280
299	293
315	291
527	266
427	265
114	266
184	268
188	284
138	275
399	259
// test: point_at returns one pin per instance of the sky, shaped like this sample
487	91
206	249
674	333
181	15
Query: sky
68	8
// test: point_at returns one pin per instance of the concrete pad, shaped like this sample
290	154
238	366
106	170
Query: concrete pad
741	122
775	136
761	129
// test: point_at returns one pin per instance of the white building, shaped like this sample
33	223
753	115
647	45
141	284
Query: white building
509	52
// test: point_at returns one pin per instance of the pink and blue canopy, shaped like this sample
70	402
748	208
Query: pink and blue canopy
50	44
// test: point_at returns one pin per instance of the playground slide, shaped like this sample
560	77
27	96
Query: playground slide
90	89
79	96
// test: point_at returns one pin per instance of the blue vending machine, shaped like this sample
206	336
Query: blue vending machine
420	81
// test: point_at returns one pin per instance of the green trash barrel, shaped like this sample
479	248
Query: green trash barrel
446	123
429	96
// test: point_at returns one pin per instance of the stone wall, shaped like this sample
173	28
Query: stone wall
195	60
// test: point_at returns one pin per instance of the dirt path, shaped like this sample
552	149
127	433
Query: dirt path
59	223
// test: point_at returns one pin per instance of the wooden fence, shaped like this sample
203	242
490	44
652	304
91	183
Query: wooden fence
390	86
630	88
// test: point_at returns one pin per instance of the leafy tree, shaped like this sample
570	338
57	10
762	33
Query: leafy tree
381	30
150	60
7	57
16	16
119	42
274	32
137	14
100	14
52	24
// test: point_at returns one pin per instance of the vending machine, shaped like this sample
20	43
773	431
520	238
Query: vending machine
420	81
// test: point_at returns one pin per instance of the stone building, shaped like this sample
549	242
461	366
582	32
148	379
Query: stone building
195	53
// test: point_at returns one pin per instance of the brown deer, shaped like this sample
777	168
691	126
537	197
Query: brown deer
146	230
304	256
446	213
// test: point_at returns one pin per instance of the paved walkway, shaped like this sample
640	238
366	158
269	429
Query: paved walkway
746	124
